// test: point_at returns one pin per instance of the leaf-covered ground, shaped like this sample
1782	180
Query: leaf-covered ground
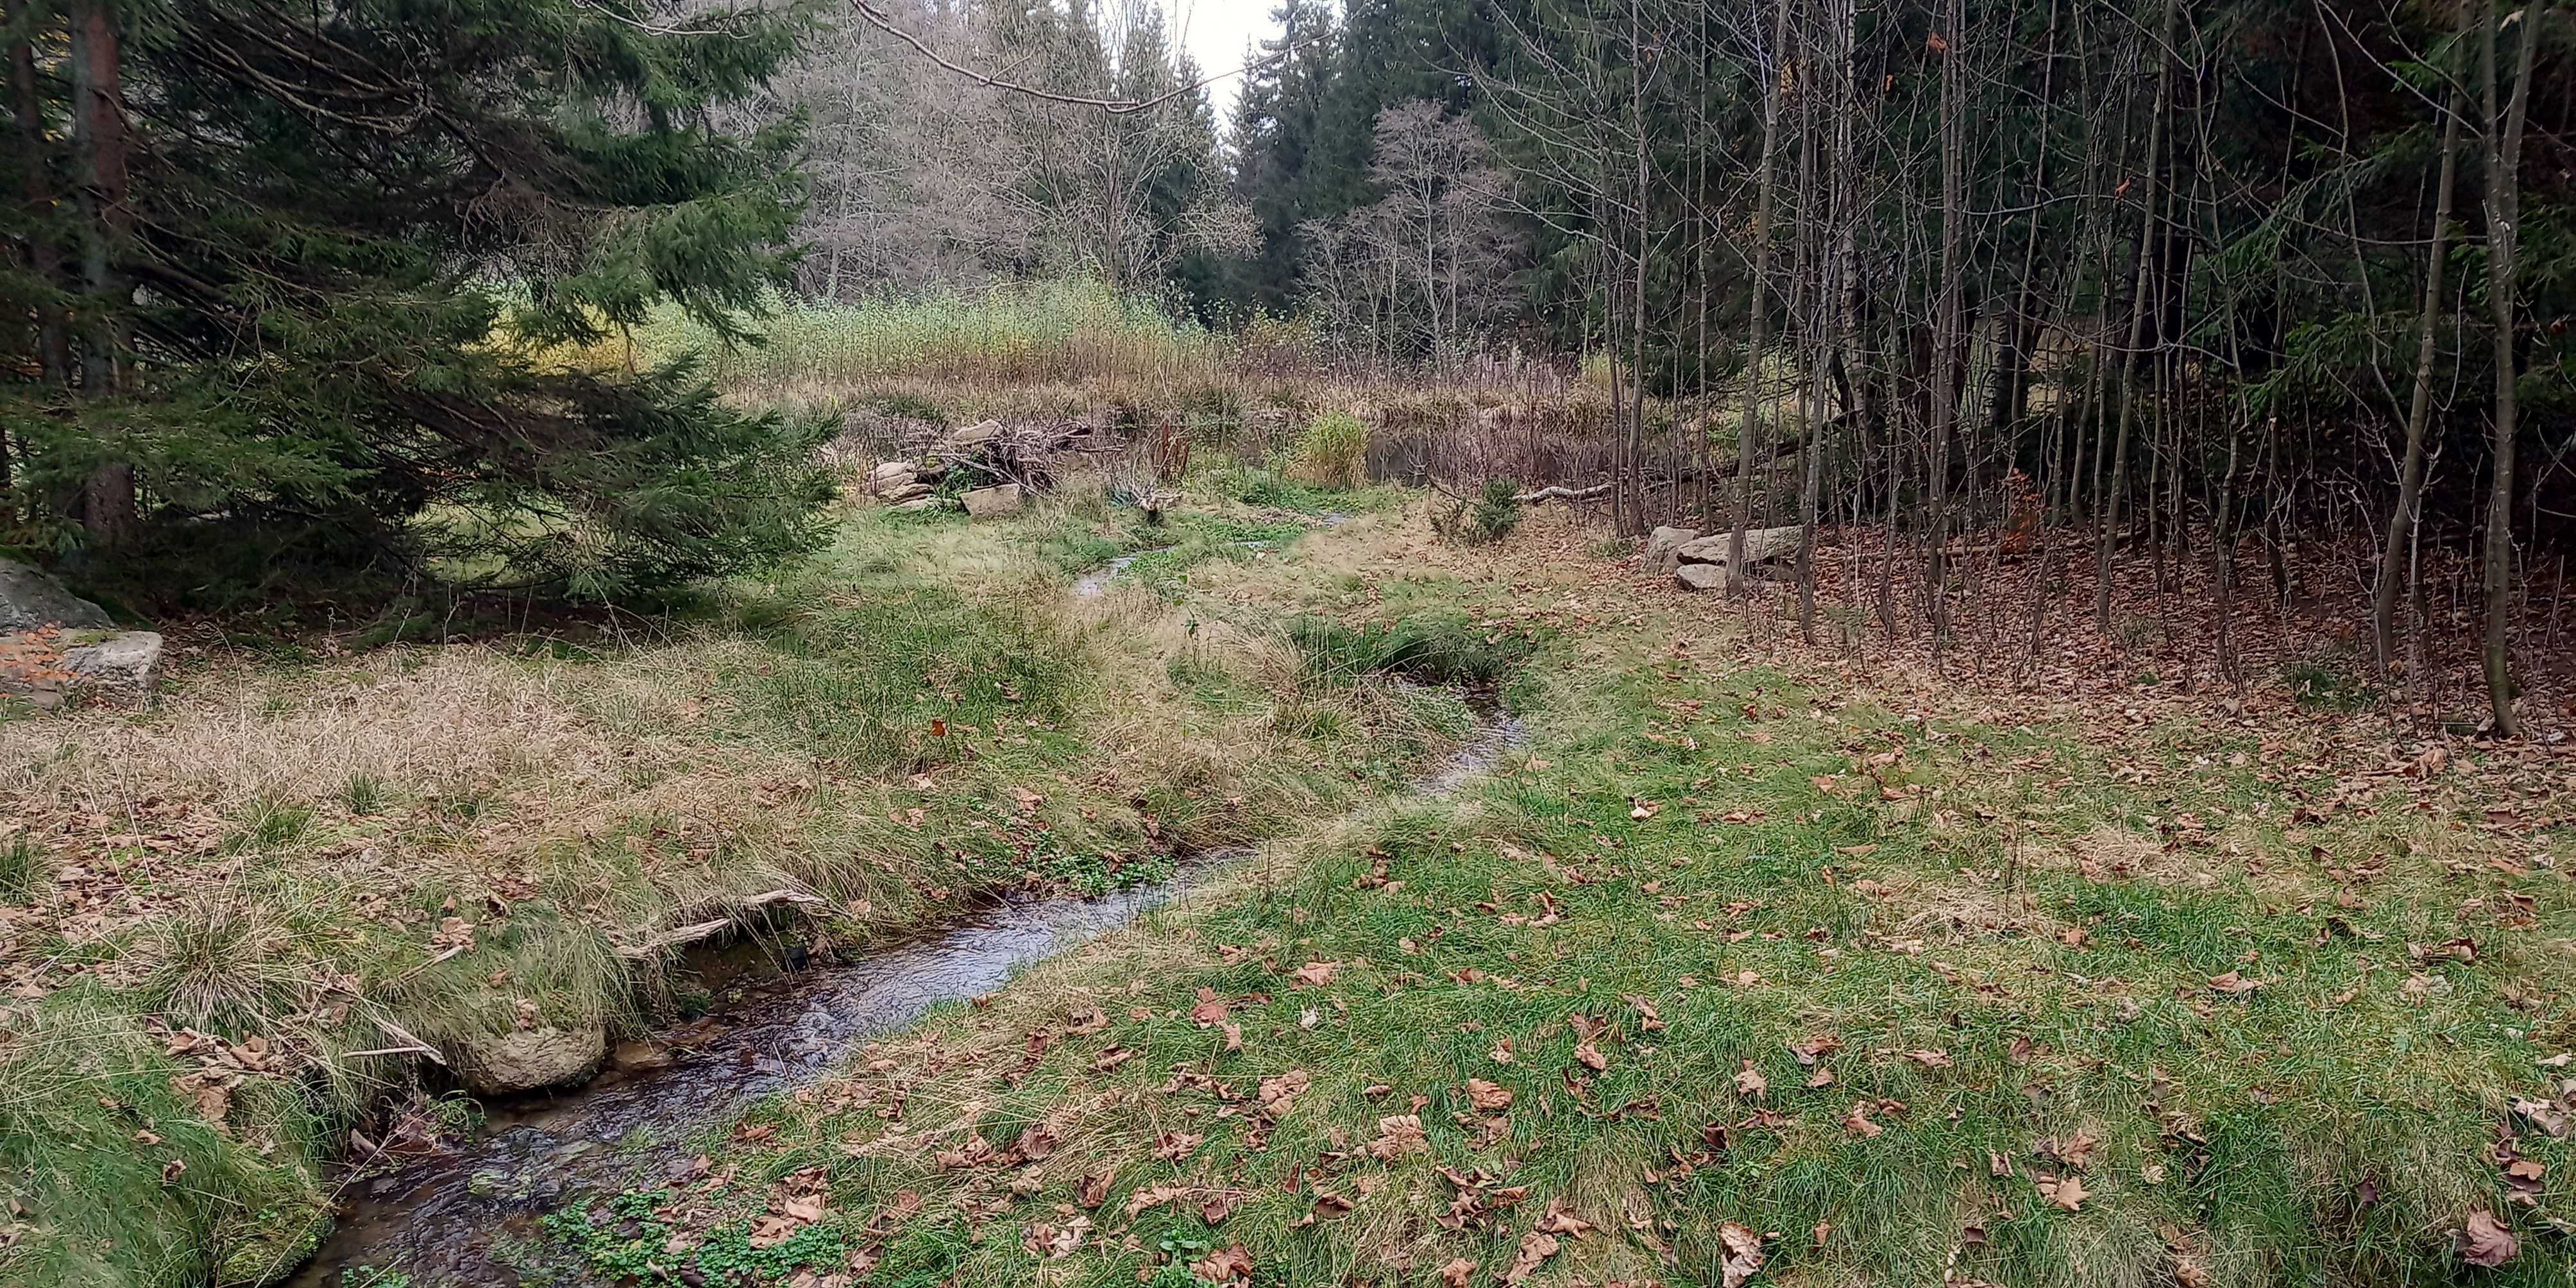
1753	964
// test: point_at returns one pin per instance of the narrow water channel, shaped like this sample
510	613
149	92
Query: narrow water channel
451	1217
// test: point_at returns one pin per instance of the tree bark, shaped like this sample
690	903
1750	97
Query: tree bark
2138	306
2410	474
100	144
1753	346
2504	200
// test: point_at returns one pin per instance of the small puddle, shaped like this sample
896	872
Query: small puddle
451	1217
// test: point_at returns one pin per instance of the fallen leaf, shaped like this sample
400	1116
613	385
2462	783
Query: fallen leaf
1488	1095
1536	1246
1175	1145
1454	1275
1750	1084
1036	1143
2068	1193
1210	1009
1591	1056
1398	1134
1857	1122
1316	974
1560	1220
1152	1196
1224	1267
2234	982
1279	1095
2484	1241
1743	1254
1093	1191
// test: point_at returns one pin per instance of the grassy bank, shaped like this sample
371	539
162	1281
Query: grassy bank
1744	967
246	924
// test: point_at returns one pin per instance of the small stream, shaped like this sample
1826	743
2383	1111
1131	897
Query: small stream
450	1217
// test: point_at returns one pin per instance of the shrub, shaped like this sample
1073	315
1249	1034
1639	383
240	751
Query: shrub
1497	510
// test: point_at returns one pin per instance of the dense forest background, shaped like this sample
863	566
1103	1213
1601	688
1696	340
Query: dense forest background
2152	276
2185	283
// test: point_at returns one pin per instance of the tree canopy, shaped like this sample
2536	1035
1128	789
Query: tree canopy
328	280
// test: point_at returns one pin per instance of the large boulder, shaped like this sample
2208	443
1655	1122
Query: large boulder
902	492
1663	548
123	667
500	1064
890	474
1761	546
992	502
30	600
1700	576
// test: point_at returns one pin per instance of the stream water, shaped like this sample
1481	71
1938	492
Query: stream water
450	1217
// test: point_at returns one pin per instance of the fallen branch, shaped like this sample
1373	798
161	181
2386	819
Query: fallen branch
1568	493
694	932
401	1034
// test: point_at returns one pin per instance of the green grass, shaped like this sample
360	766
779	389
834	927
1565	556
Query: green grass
925	720
1992	944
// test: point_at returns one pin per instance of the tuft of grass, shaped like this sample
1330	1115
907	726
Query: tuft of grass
1433	647
219	963
362	793
25	867
1331	449
2325	683
269	823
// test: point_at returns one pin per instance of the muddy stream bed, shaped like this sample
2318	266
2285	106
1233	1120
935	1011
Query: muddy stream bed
453	1216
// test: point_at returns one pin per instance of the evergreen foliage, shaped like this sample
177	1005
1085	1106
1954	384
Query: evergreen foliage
303	276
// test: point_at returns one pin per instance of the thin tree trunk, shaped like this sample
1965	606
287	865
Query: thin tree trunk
2410	474
2504	200
1949	321
2138	307
1763	199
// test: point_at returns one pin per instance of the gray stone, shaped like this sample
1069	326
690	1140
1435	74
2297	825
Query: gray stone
1761	546
904	491
124	667
889	474
504	1063
1663	548
917	505
30	599
992	502
1700	576
976	435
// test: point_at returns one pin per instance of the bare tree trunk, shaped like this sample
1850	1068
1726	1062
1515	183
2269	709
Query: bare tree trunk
1948	320
44	258
2504	201
2138	306
1763	202
2410	474
99	147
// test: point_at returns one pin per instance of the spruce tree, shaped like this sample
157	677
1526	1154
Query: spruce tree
296	280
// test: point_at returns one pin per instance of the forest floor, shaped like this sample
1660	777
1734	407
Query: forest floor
1752	960
1755	959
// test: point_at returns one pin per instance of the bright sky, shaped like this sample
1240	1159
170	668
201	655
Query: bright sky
1218	33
